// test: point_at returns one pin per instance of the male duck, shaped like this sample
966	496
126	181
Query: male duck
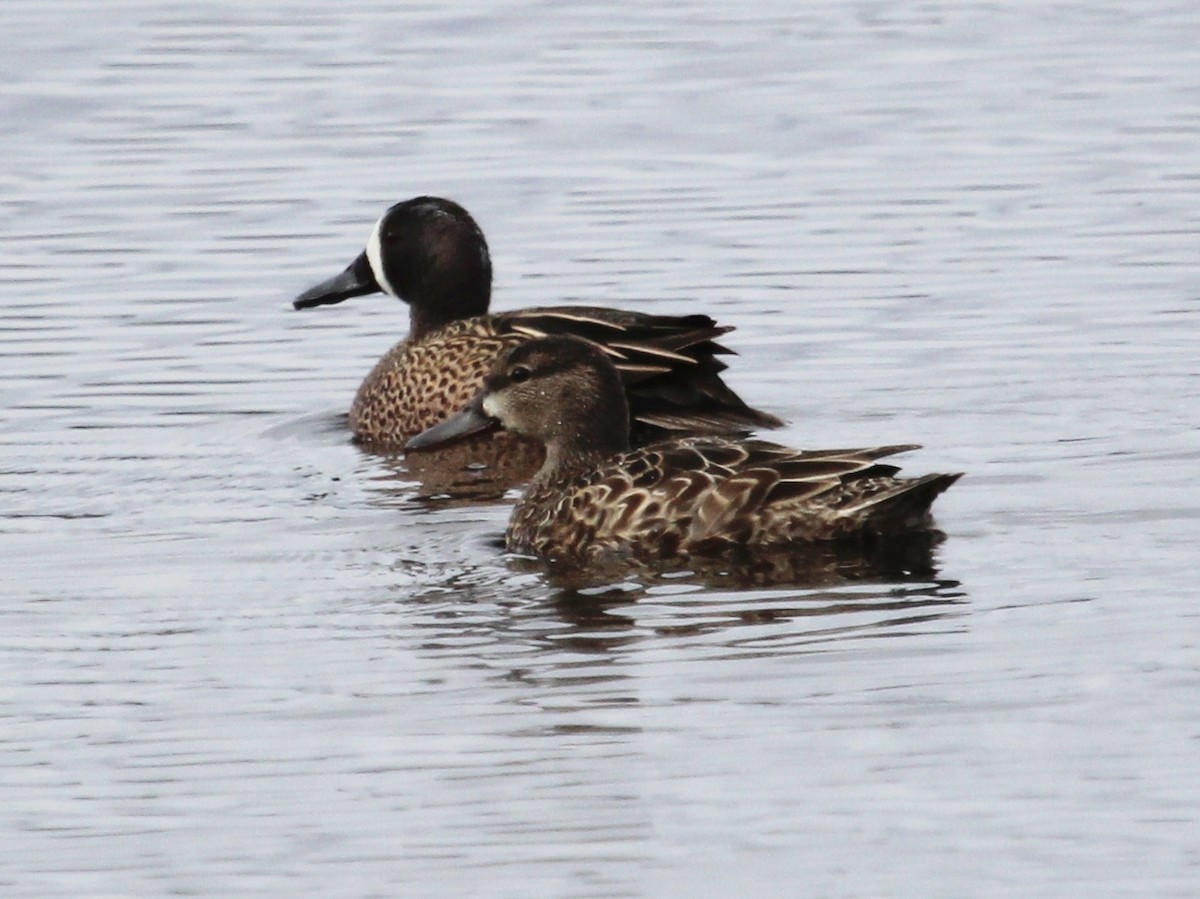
430	253
692	496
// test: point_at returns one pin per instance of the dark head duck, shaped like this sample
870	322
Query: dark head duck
430	253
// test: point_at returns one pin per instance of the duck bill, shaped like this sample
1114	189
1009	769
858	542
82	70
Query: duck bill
355	281
465	423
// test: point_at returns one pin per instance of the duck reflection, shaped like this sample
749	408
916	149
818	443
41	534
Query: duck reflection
893	591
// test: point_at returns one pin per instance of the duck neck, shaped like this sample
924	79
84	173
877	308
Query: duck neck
565	463
433	311
567	460
461	288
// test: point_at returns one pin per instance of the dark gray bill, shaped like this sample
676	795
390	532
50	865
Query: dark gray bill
356	280
469	420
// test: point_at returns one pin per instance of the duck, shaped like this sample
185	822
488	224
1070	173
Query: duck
595	496
429	252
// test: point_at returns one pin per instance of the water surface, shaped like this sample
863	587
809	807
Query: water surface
241	657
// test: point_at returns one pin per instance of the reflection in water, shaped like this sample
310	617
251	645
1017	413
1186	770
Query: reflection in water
593	613
804	565
447	479
608	620
711	602
454	472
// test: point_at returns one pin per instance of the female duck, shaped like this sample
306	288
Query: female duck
430	253
692	496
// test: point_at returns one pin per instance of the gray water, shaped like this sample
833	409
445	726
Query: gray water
240	657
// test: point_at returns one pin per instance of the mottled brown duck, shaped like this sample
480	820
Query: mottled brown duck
693	496
430	253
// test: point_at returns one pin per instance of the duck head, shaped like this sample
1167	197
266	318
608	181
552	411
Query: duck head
560	391
427	251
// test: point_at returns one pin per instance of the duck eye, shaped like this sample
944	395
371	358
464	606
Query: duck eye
519	373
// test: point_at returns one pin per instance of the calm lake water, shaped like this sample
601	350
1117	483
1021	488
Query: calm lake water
240	657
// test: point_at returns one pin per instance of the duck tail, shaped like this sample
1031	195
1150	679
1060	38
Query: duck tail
902	508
